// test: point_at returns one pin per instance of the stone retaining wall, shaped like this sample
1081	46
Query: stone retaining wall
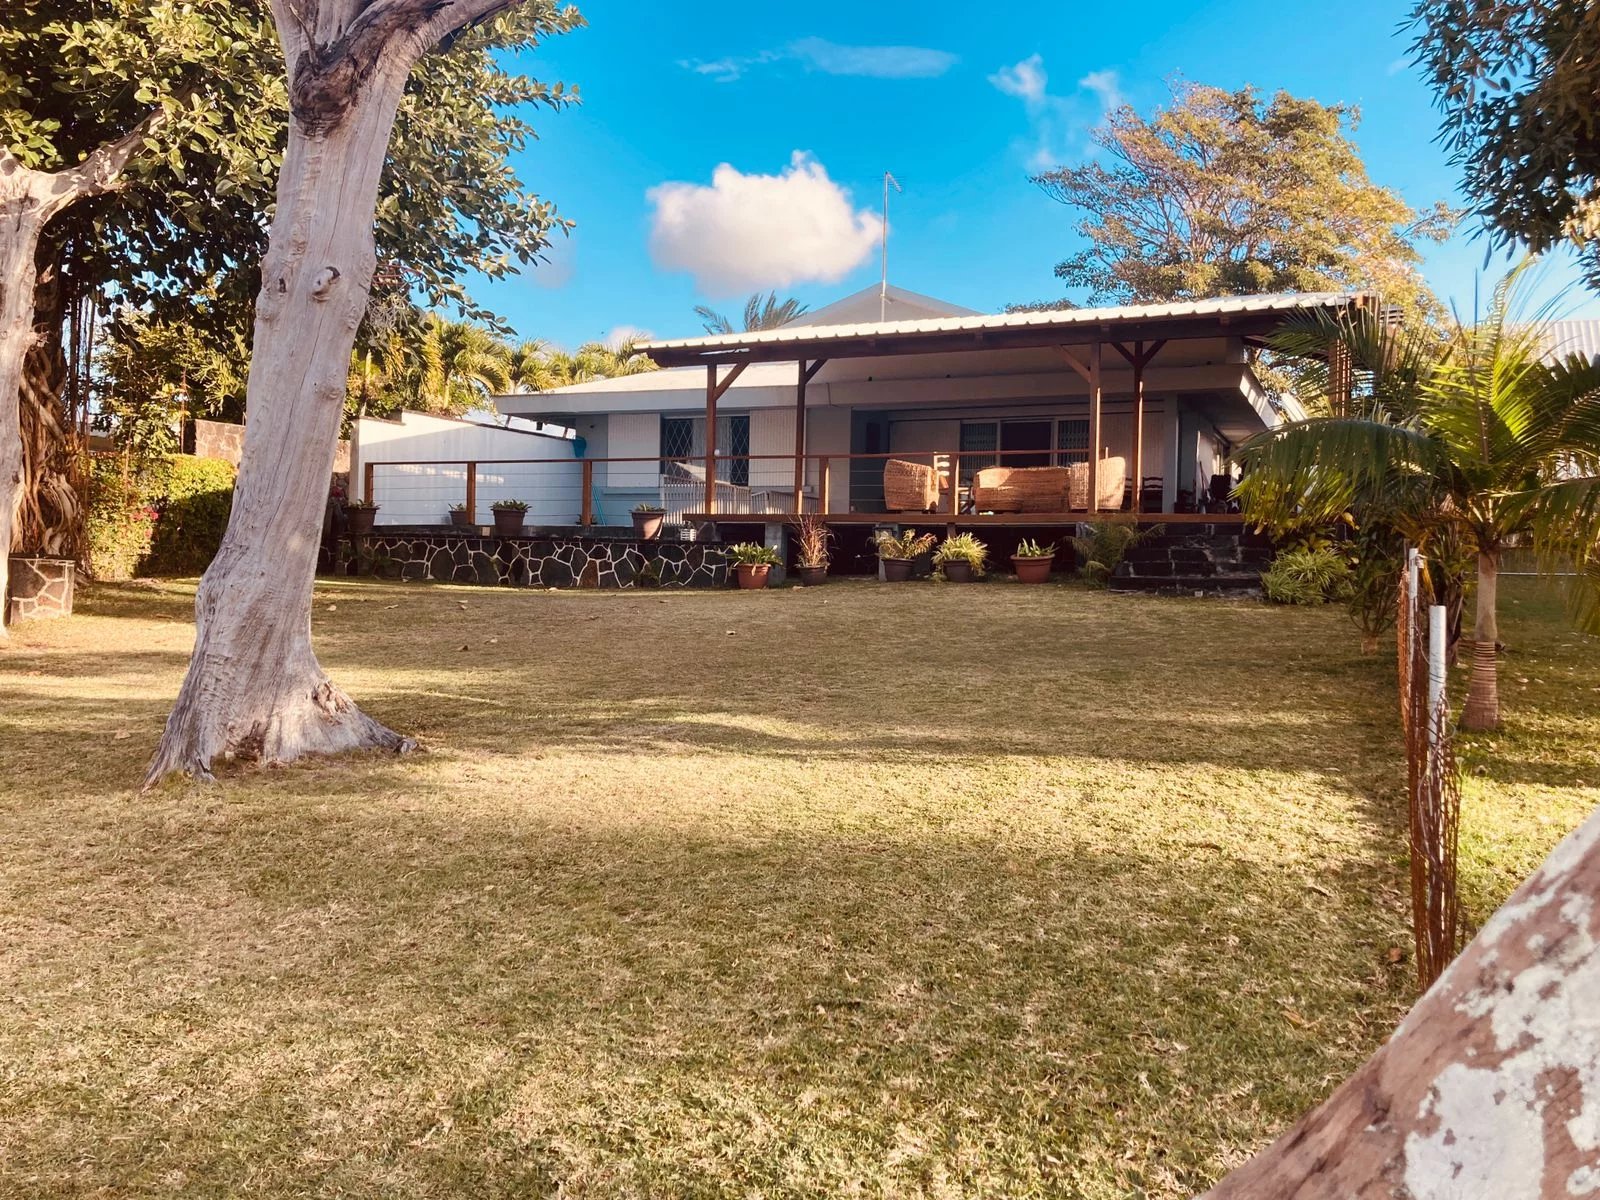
39	587
534	561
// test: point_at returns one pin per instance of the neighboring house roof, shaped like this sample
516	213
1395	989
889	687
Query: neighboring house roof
866	337
1565	338
894	304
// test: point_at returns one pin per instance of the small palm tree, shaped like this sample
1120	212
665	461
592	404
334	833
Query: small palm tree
759	313
1465	435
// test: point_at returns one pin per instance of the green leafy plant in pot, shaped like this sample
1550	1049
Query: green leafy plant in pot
459	516
811	548
961	558
647	519
899	553
1032	561
752	563
359	514
509	516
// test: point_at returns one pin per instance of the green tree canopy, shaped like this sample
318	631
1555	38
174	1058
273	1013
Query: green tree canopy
1467	436
192	219
1223	193
1517	84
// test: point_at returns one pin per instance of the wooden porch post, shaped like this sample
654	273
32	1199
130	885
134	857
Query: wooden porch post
711	438
1138	428
800	439
1094	427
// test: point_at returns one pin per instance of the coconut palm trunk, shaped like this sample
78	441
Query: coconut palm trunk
1482	709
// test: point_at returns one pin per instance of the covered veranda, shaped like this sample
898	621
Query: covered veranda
1100	366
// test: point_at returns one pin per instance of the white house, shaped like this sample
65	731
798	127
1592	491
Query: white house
805	418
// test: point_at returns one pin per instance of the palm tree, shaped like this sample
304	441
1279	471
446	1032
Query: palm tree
759	313
1465	435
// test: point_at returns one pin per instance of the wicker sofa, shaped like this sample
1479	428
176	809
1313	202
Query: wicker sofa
909	486
1048	489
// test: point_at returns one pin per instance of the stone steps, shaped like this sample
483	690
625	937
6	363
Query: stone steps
1199	558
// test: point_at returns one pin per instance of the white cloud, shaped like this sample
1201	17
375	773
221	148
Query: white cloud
1059	126
760	231
832	58
878	62
1105	86
626	333
1026	80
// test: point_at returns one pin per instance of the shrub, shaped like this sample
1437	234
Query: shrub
120	522
1307	577
1106	544
196	500
516	506
811	542
1028	548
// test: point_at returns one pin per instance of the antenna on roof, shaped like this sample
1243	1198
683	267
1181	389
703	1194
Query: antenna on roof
883	286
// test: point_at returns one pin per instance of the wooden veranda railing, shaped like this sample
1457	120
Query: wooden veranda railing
685	481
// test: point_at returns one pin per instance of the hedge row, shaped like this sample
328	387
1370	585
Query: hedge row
166	518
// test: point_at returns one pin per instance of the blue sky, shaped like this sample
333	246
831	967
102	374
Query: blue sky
949	97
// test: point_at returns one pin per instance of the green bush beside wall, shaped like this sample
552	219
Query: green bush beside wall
165	518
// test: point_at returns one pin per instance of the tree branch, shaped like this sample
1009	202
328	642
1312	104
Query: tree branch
102	171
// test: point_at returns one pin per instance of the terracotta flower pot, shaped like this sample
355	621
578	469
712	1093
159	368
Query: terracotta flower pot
896	570
460	518
958	570
811	576
508	522
1032	570
752	575
359	520
647	525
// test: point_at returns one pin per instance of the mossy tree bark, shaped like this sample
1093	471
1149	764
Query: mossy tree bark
254	688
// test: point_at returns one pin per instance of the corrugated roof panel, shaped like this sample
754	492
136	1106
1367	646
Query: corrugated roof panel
1062	319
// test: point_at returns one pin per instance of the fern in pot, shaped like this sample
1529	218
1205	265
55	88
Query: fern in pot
752	563
898	553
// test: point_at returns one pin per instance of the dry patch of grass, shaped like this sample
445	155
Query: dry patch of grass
909	892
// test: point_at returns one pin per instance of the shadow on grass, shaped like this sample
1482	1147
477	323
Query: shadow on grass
642	1010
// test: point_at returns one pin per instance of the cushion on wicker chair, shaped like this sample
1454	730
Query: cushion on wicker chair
909	486
1021	489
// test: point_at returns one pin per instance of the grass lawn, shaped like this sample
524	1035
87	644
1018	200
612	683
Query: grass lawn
914	891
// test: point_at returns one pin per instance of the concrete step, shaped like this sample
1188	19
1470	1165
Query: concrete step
1187	584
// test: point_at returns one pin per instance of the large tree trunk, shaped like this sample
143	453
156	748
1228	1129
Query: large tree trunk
1482	709
28	201
21	220
254	687
1490	1088
51	517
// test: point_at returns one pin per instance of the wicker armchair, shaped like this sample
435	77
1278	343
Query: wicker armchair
1113	485
909	486
1021	489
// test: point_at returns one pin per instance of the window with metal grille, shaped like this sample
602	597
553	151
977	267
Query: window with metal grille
977	437
1072	441
685	437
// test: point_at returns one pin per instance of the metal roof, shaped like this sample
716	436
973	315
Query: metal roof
1065	320
1565	338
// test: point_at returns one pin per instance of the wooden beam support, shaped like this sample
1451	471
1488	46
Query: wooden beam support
714	391
800	434
1093	377
1138	361
1076	363
472	493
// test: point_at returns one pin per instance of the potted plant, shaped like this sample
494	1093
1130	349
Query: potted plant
647	520
961	558
459	516
1032	561
359	514
509	516
811	548
898	553
752	563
